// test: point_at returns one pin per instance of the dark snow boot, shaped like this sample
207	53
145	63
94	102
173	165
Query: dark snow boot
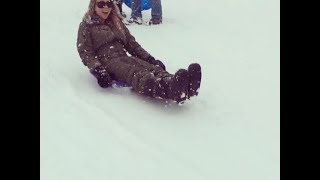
161	88
154	21
178	86
174	87
194	71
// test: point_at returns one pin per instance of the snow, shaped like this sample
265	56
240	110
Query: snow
231	131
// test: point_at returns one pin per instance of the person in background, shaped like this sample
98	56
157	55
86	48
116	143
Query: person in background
156	12
119	4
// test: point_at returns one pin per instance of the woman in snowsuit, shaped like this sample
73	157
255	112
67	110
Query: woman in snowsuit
103	42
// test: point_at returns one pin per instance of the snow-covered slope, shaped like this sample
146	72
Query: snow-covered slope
231	131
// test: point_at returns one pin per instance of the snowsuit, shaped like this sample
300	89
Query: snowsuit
98	45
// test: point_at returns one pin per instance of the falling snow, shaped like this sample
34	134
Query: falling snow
229	132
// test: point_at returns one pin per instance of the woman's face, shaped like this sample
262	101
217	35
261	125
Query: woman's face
103	8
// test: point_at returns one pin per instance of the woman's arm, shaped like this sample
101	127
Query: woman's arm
85	48
134	48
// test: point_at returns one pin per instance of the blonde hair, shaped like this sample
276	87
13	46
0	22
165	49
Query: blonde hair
115	15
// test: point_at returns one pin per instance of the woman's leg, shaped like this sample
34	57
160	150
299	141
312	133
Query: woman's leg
148	79
135	72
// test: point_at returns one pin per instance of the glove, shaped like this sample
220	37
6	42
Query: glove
155	62
103	78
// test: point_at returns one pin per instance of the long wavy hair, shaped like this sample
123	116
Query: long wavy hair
115	15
